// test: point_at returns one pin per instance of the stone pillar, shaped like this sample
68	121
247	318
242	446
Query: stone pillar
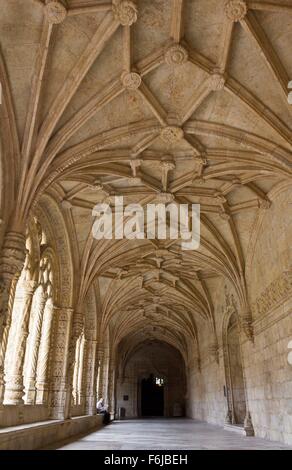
101	363
5	336
11	263
14	389
34	344
75	366
60	357
213	346
76	332
42	371
111	389
90	377
81	370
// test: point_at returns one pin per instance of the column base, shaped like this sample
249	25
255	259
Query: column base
14	391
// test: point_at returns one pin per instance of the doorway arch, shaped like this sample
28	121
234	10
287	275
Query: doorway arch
152	396
157	369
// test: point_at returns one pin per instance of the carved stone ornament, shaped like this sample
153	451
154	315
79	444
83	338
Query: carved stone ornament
96	186
277	291
66	204
125	11
78	322
176	55
167	165
264	204
246	324
165	198
225	216
171	134
55	12
13	254
235	10
217	81
131	80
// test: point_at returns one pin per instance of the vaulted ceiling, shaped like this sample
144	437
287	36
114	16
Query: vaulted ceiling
154	100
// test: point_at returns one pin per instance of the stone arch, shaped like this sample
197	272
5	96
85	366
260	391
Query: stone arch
139	366
55	225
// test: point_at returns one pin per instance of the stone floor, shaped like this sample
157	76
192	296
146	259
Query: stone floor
166	434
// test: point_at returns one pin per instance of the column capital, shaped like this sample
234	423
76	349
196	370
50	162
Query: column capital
246	323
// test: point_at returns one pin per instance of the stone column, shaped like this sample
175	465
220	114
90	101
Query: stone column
75	366
11	263
81	370
76	332
5	336
14	389
34	340
111	389
90	377
42	371
213	345
61	331
248	425
100	384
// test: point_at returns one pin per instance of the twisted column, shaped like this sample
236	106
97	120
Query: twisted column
14	389
34	340
11	263
42	375
5	336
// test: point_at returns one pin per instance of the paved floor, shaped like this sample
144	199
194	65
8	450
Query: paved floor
166	434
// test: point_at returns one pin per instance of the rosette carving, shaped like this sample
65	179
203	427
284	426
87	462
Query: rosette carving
171	134
131	80
55	12
176	55
235	10
125	11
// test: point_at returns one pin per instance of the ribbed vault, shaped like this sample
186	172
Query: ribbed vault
154	101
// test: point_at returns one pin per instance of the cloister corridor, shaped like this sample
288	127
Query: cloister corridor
170	434
145	224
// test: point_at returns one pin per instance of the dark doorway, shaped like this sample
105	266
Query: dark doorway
152	396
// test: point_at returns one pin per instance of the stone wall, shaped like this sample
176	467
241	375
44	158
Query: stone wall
268	378
267	373
46	434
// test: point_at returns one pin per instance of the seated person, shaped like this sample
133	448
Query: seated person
101	409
